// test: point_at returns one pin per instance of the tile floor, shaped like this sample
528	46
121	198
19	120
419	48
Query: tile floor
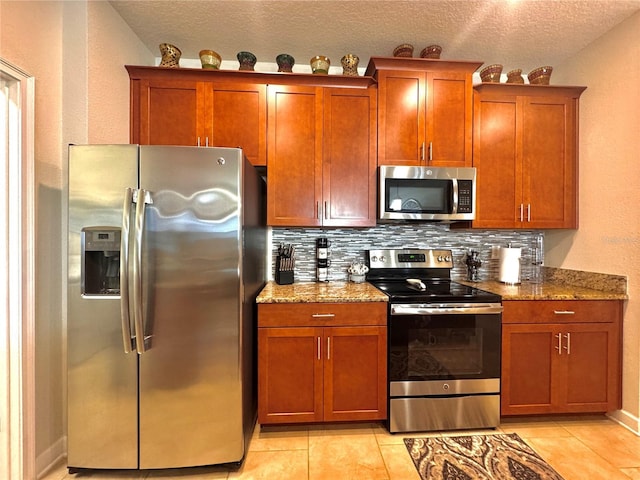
579	448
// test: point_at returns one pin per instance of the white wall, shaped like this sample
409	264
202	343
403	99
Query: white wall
608	240
76	51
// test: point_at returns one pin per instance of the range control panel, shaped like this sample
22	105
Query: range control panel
410	258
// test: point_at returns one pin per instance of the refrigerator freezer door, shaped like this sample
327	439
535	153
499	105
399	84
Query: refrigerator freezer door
102	378
190	374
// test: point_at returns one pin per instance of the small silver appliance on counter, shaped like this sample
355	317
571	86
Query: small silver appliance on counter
166	257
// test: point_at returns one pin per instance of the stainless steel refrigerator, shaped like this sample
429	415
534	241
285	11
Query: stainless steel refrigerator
167	253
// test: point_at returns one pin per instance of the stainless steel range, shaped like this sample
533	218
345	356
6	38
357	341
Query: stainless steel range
444	343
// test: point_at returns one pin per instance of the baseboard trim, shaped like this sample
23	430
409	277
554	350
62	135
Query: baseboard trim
51	457
627	420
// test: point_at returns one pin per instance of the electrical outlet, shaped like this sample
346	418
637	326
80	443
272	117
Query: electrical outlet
495	252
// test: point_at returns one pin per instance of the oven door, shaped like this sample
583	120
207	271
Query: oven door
444	342
444	366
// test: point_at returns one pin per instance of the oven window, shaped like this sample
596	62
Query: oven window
444	347
418	196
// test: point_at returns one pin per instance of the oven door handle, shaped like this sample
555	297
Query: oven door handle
447	309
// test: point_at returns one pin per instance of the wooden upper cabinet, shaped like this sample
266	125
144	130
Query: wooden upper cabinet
294	156
178	107
425	111
525	150
349	157
166	112
221	108
238	118
321	156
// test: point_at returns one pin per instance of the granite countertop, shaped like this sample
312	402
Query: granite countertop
548	290
316	292
561	284
558	284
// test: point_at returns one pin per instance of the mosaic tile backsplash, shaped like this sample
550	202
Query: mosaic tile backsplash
349	244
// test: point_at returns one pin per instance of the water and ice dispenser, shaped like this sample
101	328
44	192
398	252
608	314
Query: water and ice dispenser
101	261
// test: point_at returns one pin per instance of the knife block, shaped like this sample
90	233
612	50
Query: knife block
283	277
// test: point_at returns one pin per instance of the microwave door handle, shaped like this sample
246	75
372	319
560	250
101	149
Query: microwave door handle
454	194
125	319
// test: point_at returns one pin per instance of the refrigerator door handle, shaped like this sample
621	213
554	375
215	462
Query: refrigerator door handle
127	338
142	198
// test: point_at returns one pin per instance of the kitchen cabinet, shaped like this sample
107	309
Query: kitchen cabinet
425	111
167	112
174	108
320	362
525	150
320	145
237	117
321	156
561	357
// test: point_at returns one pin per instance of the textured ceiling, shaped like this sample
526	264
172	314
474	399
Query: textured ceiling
516	33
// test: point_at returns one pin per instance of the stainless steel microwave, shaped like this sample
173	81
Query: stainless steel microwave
444	194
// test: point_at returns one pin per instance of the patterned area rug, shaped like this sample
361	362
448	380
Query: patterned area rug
478	457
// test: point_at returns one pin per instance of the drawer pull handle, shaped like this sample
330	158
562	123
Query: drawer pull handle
564	312
323	315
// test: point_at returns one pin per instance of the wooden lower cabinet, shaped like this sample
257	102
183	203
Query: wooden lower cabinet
571	365
322	372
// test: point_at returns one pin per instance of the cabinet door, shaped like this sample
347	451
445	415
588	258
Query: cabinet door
590	380
527	369
449	119
549	162
349	157
355	380
167	112
238	118
401	117
289	375
294	156
495	156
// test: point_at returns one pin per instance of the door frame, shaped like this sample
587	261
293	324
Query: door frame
17	252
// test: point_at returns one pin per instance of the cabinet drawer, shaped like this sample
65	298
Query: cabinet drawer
321	314
561	311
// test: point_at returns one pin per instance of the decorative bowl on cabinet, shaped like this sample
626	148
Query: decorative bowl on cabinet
247	60
432	51
170	55
210	59
285	62
320	64
491	73
540	75
515	76
350	65
404	50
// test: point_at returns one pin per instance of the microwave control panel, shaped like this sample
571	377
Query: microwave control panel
465	196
